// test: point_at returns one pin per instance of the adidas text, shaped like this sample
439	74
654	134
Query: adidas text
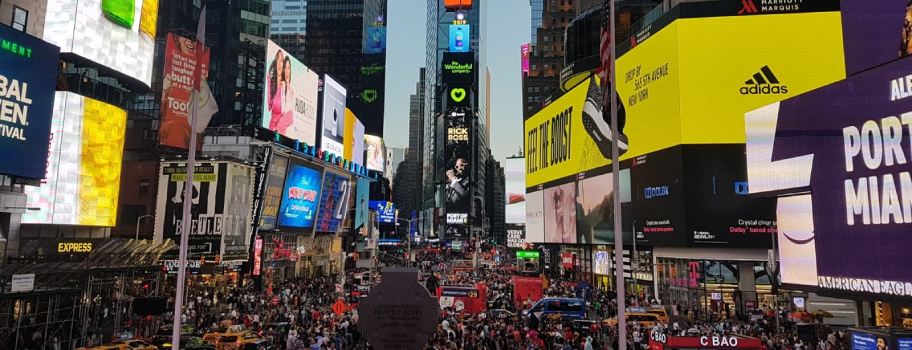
764	89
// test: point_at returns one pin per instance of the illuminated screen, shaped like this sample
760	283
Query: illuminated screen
27	78
118	34
560	214
84	164
460	38
333	116
376	157
334	202
272	197
386	211
290	96
535	218
299	199
515	188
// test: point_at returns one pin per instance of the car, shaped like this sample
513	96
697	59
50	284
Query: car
164	334
108	346
213	336
135	344
642	318
240	341
660	312
563	309
189	342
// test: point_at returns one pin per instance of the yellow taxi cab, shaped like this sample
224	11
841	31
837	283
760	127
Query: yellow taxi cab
134	344
239	341
661	313
642	318
107	346
213	336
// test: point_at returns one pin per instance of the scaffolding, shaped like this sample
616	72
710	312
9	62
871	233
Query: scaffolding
78	303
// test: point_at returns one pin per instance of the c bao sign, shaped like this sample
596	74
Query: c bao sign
721	341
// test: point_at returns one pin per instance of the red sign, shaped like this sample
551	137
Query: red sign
457	4
662	341
180	63
339	307
257	259
567	260
526	288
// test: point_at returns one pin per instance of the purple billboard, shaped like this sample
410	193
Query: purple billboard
841	157
875	32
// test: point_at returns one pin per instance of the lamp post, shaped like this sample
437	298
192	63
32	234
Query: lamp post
408	262
138	221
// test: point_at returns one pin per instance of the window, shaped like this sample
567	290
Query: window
144	187
20	18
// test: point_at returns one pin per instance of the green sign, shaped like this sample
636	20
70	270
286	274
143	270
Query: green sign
373	68
15	48
458	94
369	95
458	67
534	254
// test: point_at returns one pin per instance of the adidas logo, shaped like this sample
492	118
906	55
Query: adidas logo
763	82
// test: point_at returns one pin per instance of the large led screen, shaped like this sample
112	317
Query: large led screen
848	144
335	199
272	197
595	208
118	34
875	32
298	210
376	157
535	217
460	38
83	165
458	174
725	78
333	116
354	138
290	96
515	188
27	78
560	214
386	211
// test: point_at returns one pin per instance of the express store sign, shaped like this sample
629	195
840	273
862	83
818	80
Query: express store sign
659	341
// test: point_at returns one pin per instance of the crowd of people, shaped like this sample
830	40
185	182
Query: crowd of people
297	315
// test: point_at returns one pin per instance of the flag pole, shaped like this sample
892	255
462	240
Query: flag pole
186	220
615	172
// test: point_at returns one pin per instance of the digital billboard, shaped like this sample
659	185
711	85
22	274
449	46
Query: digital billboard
657	191
848	145
535	217
298	210
386	211
272	197
335	199
594	207
177	88
354	138
458	174
119	35
458	68
290	96
515	188
875	32
375	41
333	130
524	52
457	4
724	79
362	203
560	214
238	219
82	184
460	38
27	78
376	156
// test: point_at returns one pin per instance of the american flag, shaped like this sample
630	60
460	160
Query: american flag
605	51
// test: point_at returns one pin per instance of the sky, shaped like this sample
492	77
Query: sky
405	53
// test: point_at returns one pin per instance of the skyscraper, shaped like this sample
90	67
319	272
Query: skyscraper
347	40
288	17
546	57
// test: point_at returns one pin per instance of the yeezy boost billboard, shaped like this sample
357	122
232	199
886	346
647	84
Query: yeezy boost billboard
689	83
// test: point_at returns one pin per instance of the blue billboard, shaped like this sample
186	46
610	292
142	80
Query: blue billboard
28	74
375	42
386	211
334	202
299	198
460	38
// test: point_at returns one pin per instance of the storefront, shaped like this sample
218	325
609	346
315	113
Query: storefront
659	341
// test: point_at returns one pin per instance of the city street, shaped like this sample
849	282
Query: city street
455	174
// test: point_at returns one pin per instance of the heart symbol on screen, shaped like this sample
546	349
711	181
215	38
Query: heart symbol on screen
458	94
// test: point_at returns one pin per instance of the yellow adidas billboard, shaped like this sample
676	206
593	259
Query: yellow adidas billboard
689	83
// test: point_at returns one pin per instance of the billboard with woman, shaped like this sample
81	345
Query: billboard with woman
290	96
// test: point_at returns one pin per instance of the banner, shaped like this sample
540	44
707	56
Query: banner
238	218
458	68
362	203
275	180
27	78
177	88
525	51
460	38
333	116
298	211
376	155
334	202
290	96
208	211
515	190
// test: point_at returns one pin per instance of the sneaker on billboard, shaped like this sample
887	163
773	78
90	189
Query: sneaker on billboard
595	123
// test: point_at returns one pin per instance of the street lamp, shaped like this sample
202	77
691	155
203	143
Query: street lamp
408	234
138	221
